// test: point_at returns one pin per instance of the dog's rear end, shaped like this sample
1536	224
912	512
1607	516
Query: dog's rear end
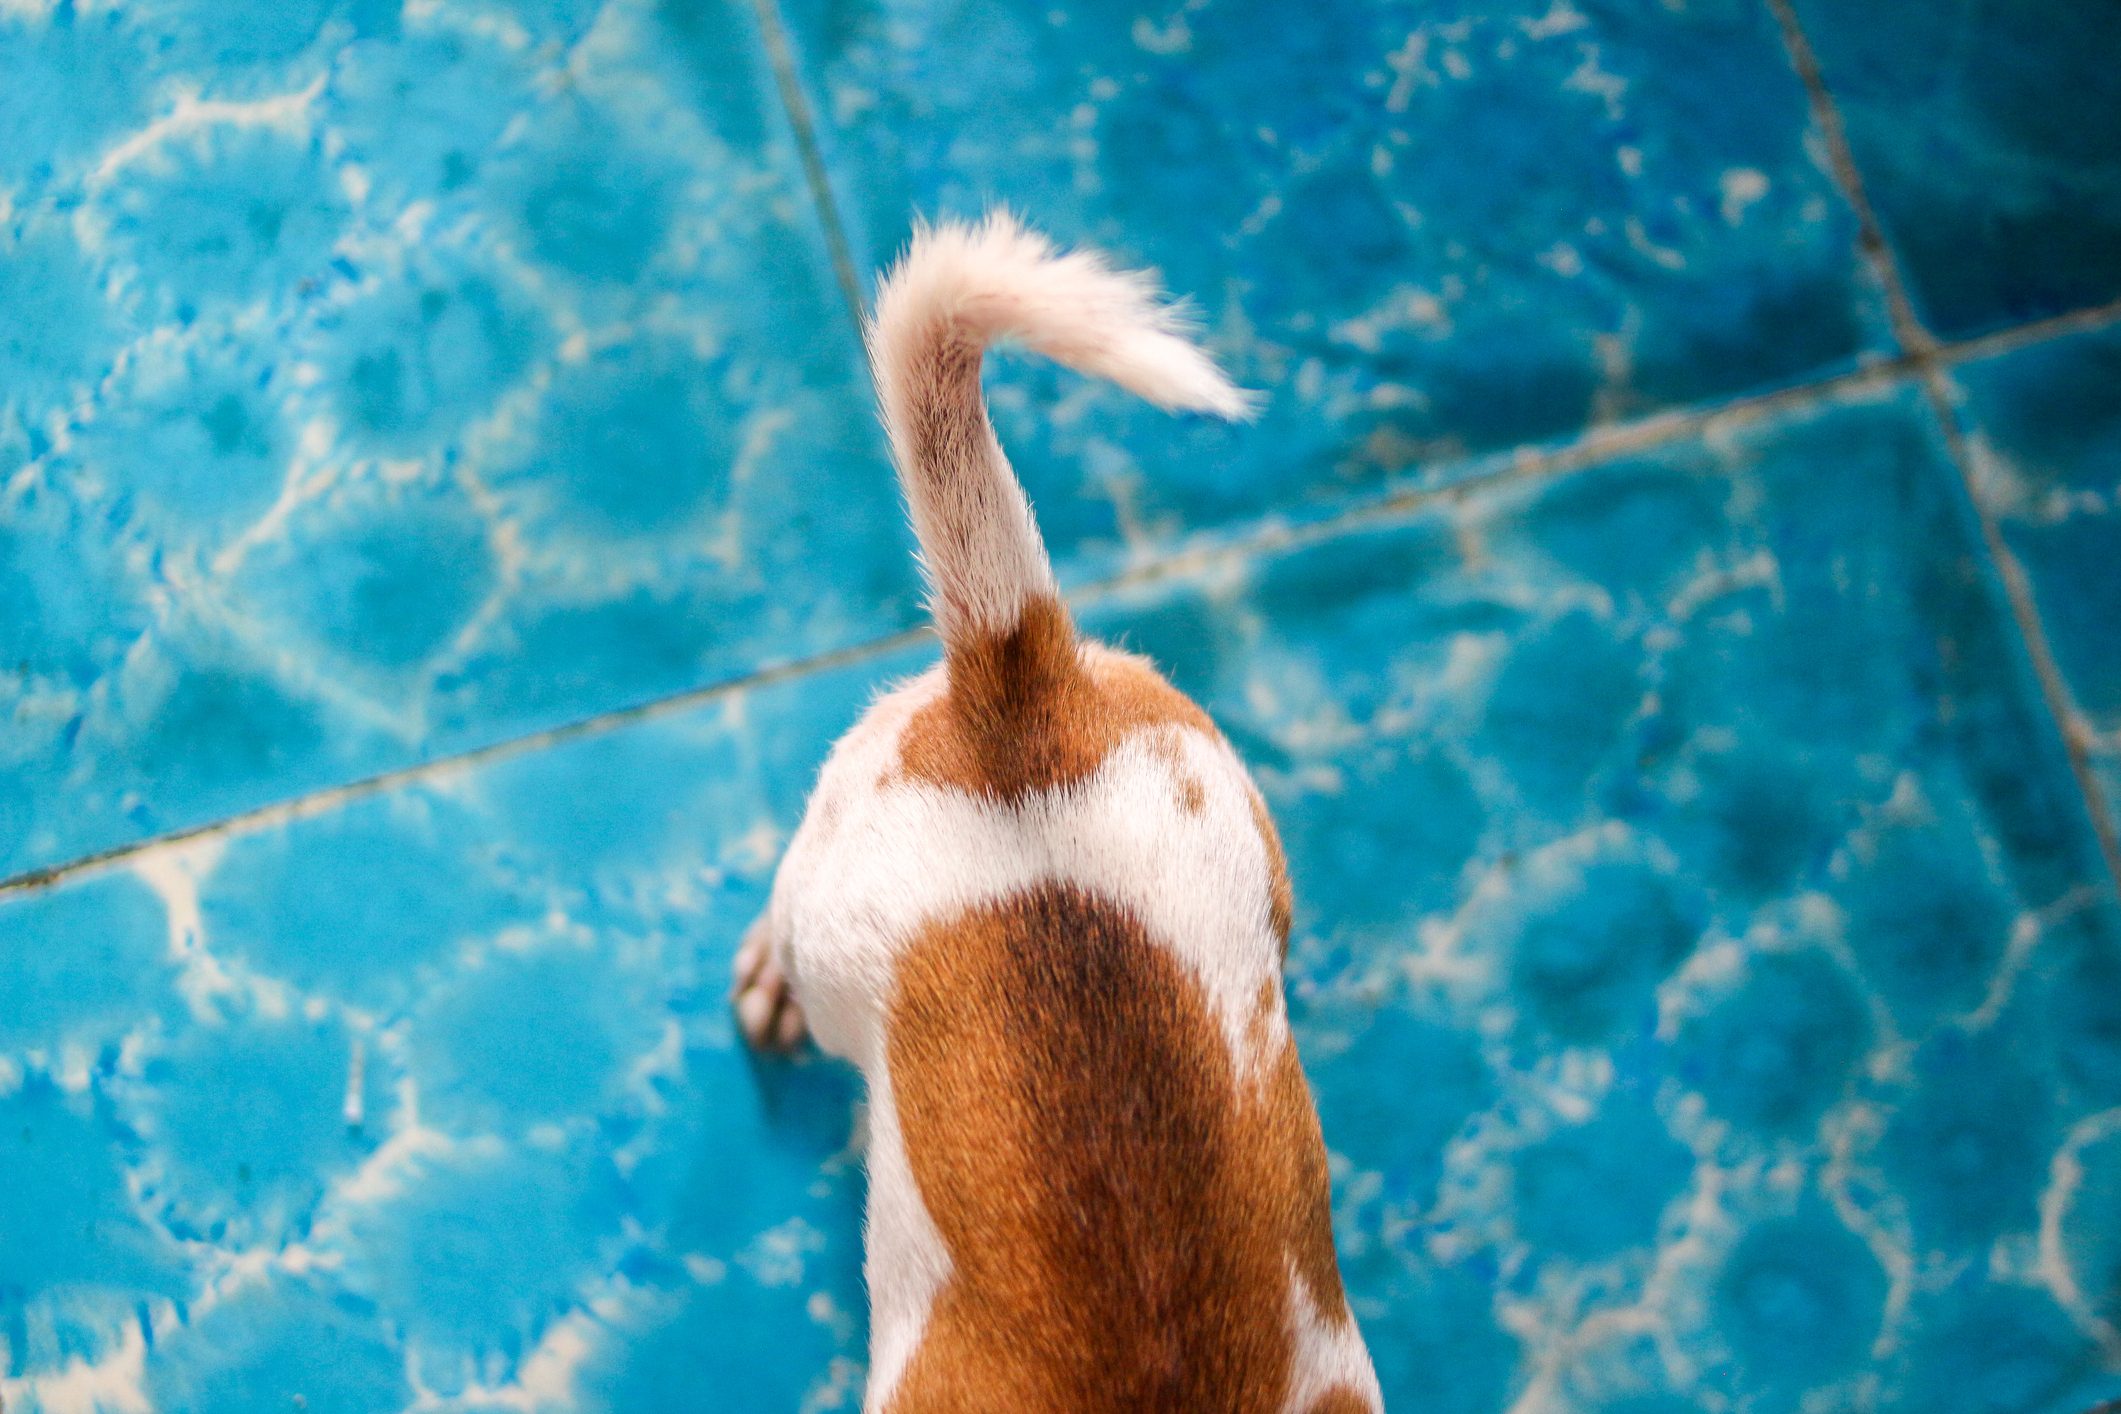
1038	900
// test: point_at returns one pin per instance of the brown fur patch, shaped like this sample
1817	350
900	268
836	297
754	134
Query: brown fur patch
1192	796
1281	901
1290	1143
1027	711
1340	1400
1292	1135
1121	1211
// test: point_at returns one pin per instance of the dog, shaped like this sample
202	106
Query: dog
1038	900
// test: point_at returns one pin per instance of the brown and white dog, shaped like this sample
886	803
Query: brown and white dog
1038	900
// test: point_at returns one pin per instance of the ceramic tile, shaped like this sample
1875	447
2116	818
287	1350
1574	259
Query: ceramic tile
1428	233
321	1125
1696	848
1704	961
1984	142
380	386
1734	1002
2047	430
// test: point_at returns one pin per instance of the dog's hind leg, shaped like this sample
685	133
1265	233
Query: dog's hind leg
766	1008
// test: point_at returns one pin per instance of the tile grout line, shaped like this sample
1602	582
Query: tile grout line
1588	450
318	802
2018	589
1259	537
2019	336
1585	451
1914	340
781	55
1931	364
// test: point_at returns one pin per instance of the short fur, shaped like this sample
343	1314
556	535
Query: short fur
1097	1175
1038	900
959	289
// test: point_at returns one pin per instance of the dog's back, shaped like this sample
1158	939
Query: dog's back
1037	898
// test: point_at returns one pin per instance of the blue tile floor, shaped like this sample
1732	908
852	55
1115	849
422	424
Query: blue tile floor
1669	599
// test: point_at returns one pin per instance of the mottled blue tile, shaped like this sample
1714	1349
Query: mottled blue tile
438	1086
75	81
1435	1333
1695	962
421	116
1400	1132
410	361
2046	428
374	580
1585	936
1969	1148
193	448
280	1343
2106	770
755	1346
532	1034
586	198
59	331
484	1250
243	50
1984	138
440	378
1799	1301
253	1117
2068	1009
1593	1190
1927	919
223	216
1425	232
83	968
1621	1373
1779	1044
1752	883
1588	1063
348	906
1998	1349
2091	1246
80	1264
192	723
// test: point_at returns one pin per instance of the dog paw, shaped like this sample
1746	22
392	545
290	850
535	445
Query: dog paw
766	1009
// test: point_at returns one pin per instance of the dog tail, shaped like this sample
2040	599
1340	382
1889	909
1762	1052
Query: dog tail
959	288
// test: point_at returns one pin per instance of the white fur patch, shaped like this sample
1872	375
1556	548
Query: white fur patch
872	865
1328	1353
905	1262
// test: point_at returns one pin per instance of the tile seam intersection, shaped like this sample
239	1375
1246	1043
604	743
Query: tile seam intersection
1930	363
